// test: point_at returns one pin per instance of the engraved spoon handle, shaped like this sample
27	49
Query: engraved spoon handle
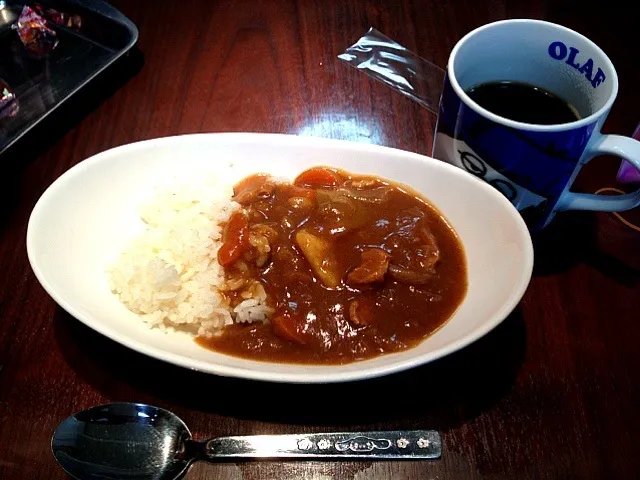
389	445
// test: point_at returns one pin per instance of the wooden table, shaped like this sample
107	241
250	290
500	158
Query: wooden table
552	393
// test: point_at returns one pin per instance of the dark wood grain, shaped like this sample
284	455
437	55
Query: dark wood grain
552	393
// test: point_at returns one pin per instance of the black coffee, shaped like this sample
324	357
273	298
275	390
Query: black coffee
523	103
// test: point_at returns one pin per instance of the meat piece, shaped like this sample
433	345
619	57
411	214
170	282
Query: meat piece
235	239
260	242
373	266
419	262
295	191
287	255
265	230
260	238
320	256
253	188
361	312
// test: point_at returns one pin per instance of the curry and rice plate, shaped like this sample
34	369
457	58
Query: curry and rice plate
330	268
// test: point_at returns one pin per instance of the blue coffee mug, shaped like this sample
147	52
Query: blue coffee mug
532	165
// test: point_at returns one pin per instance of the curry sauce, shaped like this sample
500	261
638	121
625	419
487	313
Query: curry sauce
353	267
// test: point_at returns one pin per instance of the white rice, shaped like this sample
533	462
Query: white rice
169	274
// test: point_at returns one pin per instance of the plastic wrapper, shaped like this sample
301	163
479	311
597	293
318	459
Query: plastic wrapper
60	18
389	62
34	32
627	172
8	101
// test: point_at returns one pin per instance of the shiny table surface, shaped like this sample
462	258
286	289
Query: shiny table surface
551	393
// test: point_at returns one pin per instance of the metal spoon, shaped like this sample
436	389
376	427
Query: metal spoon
136	441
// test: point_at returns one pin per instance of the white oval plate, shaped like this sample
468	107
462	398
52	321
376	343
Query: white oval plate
82	221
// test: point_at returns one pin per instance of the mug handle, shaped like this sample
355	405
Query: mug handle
624	147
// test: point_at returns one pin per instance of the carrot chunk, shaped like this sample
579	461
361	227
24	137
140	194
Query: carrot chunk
287	327
318	177
235	239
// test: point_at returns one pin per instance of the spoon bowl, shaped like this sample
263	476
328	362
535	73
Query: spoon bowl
113	441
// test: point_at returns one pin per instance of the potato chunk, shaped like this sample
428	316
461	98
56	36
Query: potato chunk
320	255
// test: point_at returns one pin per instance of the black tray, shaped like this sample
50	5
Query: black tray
42	84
